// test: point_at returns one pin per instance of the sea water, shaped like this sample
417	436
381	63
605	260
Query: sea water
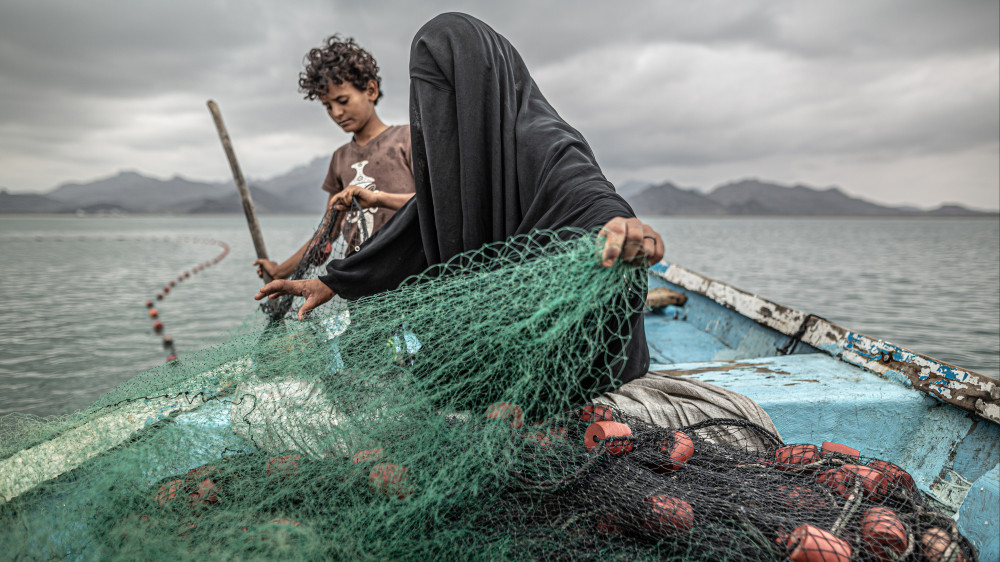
73	323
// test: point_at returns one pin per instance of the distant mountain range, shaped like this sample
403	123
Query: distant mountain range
298	191
754	197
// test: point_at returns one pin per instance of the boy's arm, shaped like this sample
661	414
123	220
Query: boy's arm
281	270
391	201
369	198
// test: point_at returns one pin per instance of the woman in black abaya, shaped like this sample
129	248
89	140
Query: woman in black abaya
491	159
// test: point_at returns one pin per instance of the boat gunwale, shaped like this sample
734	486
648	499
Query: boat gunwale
968	390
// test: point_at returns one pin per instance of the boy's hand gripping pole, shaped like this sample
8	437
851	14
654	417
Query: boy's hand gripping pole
241	185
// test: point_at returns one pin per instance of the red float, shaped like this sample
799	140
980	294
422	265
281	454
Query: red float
546	437
390	480
793	456
597	412
874	484
938	546
206	493
883	534
836	448
168	492
812	544
203	471
506	411
607	524
675	451
668	514
285	465
366	456
617	437
895	474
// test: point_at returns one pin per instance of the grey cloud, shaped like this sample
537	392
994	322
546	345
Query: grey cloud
706	87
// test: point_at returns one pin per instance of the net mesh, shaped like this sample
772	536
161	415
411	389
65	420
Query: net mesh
326	243
448	419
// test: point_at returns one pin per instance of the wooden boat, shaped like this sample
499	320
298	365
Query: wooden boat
818	382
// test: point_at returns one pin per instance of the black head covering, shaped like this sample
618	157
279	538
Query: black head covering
491	159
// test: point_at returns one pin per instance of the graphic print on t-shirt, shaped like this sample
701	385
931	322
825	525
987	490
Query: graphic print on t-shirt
367	182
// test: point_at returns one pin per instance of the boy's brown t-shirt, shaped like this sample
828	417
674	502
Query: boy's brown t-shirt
384	164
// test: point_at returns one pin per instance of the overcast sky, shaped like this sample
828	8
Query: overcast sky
895	101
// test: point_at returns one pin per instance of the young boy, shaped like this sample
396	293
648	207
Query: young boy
375	166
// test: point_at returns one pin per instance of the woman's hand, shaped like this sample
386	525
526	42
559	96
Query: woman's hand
315	292
631	241
366	198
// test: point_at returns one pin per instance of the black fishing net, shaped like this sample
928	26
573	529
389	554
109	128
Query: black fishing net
452	418
327	243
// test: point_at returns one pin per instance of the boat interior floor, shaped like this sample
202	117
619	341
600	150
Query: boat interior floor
814	397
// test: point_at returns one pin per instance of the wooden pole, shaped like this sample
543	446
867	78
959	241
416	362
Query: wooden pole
241	186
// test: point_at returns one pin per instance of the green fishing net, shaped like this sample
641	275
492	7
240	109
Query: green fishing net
452	418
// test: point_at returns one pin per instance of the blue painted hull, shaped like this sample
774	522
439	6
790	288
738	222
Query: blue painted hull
819	382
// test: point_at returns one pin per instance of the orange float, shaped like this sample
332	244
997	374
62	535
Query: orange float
607	524
506	411
793	456
674	451
895	474
836	448
168	492
366	456
545	437
203	471
874	484
285	465
390	480
812	544
597	412
937	546
617	437
206	493
883	534
667	514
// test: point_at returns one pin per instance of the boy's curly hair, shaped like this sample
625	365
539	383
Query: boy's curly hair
340	60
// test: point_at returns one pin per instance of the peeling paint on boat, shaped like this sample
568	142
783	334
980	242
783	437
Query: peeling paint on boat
968	390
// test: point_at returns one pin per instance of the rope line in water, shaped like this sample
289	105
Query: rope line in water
154	313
